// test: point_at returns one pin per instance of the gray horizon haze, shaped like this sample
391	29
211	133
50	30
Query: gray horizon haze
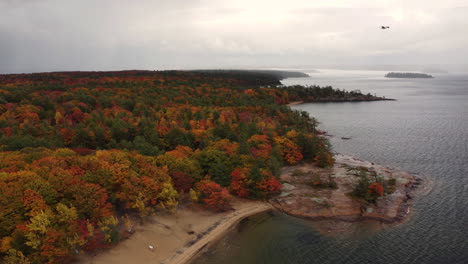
53	35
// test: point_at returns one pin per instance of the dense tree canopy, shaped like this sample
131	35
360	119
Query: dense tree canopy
79	150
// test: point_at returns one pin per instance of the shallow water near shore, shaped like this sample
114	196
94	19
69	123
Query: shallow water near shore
425	132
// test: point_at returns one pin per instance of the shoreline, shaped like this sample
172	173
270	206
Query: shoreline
177	238
341	100
295	103
191	253
175	246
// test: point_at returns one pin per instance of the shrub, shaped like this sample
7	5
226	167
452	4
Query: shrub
390	186
317	182
324	160
368	190
375	189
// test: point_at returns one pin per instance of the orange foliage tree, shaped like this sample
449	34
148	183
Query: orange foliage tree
269	185
289	150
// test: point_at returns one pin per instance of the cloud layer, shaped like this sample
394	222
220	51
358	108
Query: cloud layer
52	35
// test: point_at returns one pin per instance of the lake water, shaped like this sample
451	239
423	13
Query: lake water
425	132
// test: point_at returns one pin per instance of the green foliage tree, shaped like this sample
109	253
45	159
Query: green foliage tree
216	164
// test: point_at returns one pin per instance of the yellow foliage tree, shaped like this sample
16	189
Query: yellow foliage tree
37	228
15	257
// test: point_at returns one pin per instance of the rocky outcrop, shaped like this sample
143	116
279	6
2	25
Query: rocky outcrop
300	199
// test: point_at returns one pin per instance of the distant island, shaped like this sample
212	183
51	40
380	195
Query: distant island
407	75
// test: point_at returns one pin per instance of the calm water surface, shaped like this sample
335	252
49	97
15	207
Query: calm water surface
425	132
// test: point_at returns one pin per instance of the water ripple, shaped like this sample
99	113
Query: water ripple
425	131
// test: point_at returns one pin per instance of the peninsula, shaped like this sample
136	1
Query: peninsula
351	190
317	94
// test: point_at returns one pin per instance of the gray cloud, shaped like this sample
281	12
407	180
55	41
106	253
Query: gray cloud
51	35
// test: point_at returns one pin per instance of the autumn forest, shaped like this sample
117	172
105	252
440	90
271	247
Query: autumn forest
81	151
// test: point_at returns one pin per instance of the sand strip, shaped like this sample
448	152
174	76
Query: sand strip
219	231
295	103
176	238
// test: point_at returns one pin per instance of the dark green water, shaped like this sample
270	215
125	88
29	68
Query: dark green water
425	132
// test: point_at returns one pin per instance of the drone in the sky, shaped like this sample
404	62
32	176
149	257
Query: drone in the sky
384	27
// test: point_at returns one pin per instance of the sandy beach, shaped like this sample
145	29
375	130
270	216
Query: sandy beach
176	238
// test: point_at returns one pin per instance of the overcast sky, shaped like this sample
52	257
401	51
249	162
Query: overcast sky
55	35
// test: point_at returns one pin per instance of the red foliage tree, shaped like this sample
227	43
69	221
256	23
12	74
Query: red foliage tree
96	241
239	182
84	151
53	252
261	146
77	115
182	181
214	196
67	135
7	131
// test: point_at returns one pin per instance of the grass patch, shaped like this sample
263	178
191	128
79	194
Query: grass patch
298	172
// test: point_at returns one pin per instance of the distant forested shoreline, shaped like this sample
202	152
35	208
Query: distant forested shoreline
407	75
277	74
